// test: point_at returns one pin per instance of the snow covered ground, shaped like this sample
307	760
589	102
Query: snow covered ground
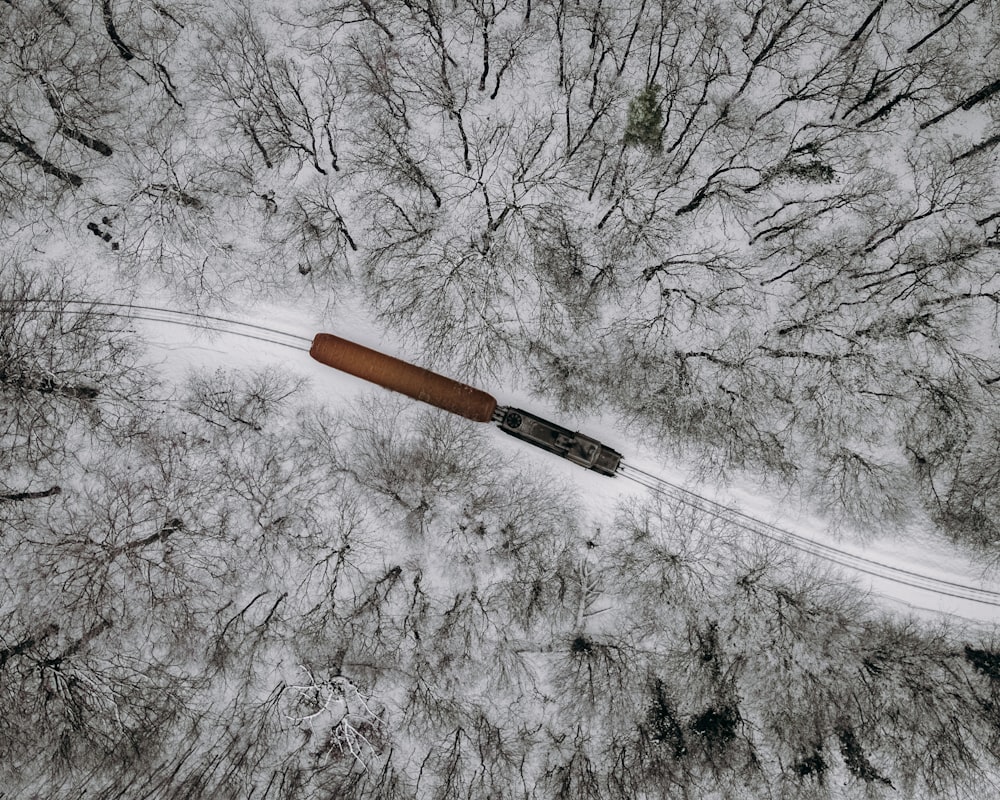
915	574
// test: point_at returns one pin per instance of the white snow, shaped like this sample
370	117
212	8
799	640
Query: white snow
910	559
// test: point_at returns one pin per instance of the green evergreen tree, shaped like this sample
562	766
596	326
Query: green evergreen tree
645	118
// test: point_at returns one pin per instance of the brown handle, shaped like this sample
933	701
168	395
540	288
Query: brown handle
405	378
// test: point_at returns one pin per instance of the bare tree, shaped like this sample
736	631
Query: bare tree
65	367
287	111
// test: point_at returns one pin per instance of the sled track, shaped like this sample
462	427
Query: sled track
654	483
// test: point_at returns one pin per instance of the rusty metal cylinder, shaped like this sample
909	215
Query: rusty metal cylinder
405	378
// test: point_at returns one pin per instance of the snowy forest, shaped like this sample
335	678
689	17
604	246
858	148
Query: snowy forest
760	237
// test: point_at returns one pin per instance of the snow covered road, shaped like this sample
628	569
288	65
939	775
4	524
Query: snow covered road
913	573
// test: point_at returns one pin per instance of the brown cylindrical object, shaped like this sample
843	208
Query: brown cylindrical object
400	376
